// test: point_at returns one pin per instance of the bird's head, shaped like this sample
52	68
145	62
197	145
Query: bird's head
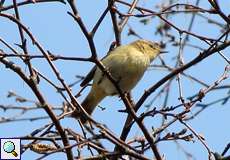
152	49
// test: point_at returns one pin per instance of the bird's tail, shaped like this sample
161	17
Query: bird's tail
91	101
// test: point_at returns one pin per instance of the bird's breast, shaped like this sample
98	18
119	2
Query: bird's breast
126	69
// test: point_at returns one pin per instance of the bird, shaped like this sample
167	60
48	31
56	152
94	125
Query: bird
126	64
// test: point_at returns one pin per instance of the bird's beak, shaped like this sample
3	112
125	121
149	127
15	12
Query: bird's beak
163	52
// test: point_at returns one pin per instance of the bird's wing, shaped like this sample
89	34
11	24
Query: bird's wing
88	77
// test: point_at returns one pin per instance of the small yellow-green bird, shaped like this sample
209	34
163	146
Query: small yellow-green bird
126	64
